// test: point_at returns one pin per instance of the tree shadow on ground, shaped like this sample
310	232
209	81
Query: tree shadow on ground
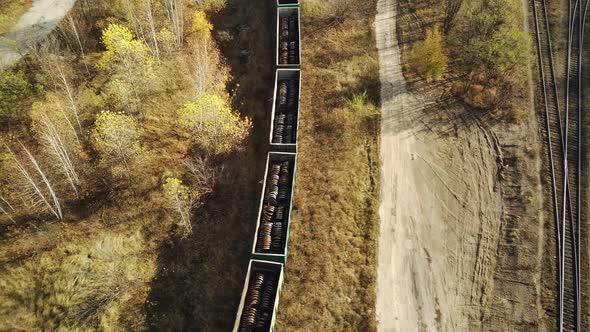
199	278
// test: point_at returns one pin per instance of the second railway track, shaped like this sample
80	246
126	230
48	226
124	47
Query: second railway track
561	111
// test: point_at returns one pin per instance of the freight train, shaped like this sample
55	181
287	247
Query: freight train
260	295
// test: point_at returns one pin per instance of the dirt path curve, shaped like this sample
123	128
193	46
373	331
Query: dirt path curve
37	22
440	210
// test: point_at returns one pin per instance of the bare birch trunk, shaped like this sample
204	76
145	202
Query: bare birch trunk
69	94
174	13
72	24
33	184
53	141
152	24
56	203
7	210
203	65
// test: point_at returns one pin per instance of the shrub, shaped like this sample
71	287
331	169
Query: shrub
14	87
428	57
504	51
360	106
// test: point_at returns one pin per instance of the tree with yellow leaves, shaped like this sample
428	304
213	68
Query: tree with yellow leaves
116	138
212	124
428	57
200	25
129	61
182	200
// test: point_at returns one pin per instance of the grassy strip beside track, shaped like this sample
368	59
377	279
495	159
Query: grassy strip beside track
331	270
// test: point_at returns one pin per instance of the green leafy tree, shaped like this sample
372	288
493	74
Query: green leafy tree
212	124
127	60
14	87
504	51
116	138
428	57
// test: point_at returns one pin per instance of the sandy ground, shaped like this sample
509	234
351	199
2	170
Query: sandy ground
37	22
440	210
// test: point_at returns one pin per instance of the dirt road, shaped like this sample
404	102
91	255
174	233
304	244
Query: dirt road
37	22
440	210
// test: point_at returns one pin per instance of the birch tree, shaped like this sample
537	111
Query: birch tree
6	208
57	67
37	191
149	14
174	10
201	68
181	200
58	138
201	64
166	41
141	15
201	174
70	27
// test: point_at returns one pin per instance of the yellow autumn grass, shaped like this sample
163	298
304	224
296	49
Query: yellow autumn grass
77	286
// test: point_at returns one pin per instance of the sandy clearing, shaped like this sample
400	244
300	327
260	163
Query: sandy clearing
440	209
33	25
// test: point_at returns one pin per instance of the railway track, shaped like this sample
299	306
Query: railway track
563	130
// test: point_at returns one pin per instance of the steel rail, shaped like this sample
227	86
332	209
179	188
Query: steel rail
566	186
547	124
578	180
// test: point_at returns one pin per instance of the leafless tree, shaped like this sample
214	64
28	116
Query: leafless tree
33	191
60	74
149	14
6	208
72	24
141	15
201	174
174	10
452	8
201	67
57	147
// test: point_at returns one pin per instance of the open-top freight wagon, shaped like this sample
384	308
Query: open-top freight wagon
287	3
288	37
271	239
285	110
260	297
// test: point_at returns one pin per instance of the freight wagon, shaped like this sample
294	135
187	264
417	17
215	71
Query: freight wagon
260	297
284	123
288	38
287	3
271	239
